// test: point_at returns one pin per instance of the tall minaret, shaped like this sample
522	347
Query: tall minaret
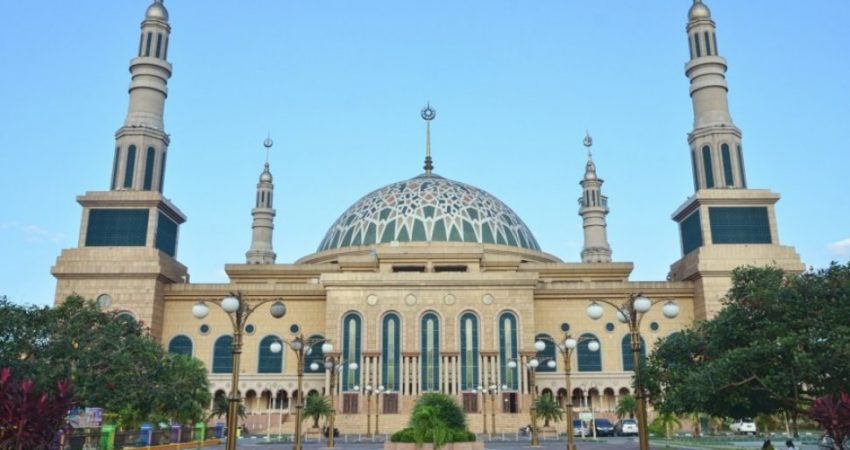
724	225
126	255
593	209
261	251
715	141
141	144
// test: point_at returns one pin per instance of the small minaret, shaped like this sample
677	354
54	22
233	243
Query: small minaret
593	207
715	141
141	144
261	251
428	114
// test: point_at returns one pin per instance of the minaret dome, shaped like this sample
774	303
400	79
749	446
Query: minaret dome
157	11
699	11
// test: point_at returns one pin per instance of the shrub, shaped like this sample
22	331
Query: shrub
446	408
404	435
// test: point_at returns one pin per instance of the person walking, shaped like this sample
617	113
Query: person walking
767	445
789	445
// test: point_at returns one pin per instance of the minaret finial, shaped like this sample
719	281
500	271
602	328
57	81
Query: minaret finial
268	145
428	114
588	142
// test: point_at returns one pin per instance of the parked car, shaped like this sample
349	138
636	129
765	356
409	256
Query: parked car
580	429
626	427
743	426
604	427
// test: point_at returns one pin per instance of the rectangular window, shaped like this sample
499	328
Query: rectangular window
158	43
390	404
449	268
349	403
148	44
707	45
117	227
714	40
166	235
470	402
691	231
733	225
408	268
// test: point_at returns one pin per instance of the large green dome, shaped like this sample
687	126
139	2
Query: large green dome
428	208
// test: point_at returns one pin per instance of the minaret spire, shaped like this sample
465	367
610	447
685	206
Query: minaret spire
593	207
715	141
428	114
261	251
142	144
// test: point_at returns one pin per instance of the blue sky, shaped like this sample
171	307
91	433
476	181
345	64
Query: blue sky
339	86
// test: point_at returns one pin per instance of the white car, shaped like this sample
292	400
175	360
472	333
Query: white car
743	426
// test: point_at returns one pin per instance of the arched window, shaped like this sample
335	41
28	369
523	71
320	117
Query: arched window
180	345
706	162
352	327
588	361
162	172
508	350
707	44
270	362
391	351
694	167
158	44
149	161
468	333
130	166
430	350
222	356
548	353
727	164
741	166
316	354
148	44
115	167
626	345
696	45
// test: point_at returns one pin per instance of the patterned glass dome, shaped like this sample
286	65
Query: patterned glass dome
428	208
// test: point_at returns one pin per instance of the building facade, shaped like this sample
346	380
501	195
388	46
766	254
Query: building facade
428	284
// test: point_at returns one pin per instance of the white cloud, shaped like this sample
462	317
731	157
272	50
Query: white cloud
840	248
33	233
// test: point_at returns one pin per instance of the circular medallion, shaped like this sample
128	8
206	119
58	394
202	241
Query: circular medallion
103	301
429	113
449	299
487	299
372	300
410	299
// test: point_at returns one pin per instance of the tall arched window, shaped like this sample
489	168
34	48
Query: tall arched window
588	361
727	164
269	362
468	334
391	351
508	350
352	329
130	166
115	167
628	364
741	166
316	354
430	352
149	161
222	356
162	172
706	163
548	353
180	345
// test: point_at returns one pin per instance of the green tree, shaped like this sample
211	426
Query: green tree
665	423
429	425
626	406
548	409
316	407
112	361
219	408
450	412
780	341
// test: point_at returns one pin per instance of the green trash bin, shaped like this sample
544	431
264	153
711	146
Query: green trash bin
107	437
200	431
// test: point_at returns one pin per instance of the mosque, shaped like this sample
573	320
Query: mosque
428	284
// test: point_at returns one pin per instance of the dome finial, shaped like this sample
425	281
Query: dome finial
590	167
699	11
268	145
428	114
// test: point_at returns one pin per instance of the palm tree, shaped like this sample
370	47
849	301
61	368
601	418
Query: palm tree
427	421
668	421
219	408
547	409
316	406
626	406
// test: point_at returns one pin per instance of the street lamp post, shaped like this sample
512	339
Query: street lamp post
531	367
238	312
381	390
301	347
483	406
333	365
631	312
491	389
566	348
